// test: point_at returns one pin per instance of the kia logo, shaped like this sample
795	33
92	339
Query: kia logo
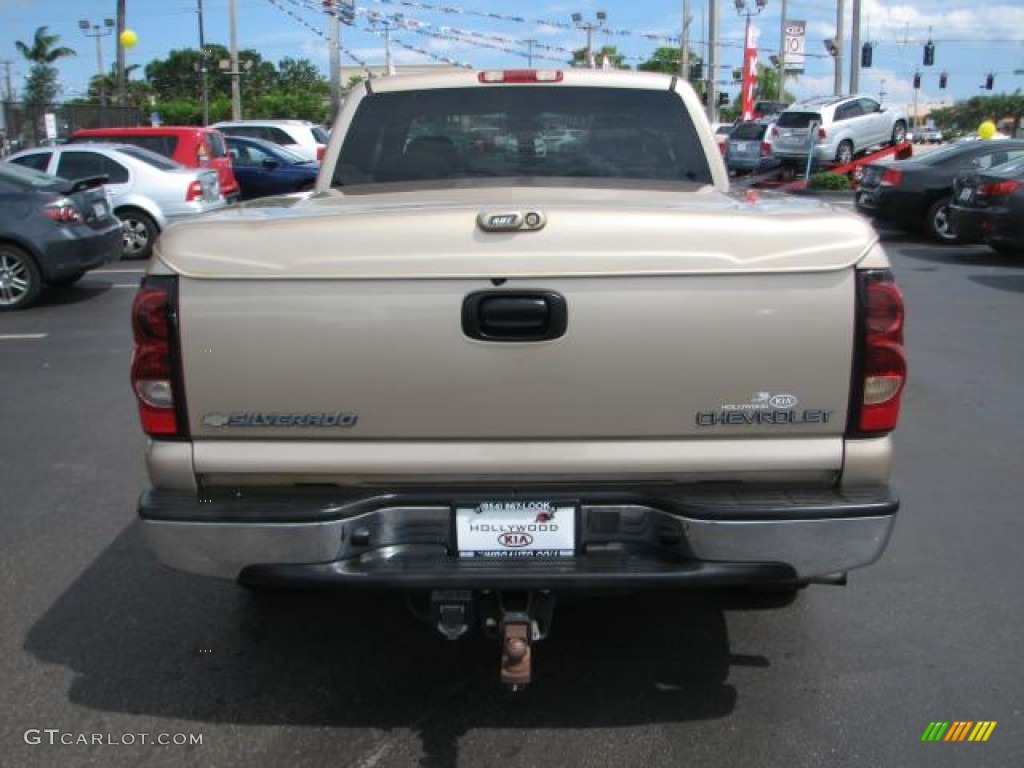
515	540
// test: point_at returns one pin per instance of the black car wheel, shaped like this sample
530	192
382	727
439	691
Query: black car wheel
139	233
939	224
899	133
20	280
844	153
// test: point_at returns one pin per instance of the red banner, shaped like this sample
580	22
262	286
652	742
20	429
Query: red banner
749	71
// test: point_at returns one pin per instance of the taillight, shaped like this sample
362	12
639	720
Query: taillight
152	372
822	135
320	149
194	192
63	211
891	177
520	76
766	149
999	188
879	383
775	131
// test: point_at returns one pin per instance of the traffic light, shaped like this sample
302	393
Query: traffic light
943	80
989	81
704	98
697	70
917	80
723	99
929	53
865	55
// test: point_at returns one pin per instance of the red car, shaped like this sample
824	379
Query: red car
191	145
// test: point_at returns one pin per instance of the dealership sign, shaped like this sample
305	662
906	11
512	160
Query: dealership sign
795	45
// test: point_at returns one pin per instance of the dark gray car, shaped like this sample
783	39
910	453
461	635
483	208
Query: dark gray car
51	231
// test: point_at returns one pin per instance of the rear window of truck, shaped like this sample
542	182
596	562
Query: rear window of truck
536	131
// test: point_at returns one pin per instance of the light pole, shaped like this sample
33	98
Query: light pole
98	32
590	26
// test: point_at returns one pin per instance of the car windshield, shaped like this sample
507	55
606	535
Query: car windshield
319	134
465	133
798	119
24	176
150	158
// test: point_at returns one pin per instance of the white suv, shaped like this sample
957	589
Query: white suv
302	136
844	127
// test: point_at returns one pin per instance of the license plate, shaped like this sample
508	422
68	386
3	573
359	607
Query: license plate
99	209
516	529
741	146
965	195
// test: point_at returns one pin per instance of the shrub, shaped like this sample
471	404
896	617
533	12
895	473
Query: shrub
828	181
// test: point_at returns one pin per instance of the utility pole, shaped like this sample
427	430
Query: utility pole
529	52
8	92
334	56
236	75
855	49
120	52
782	51
712	89
684	43
204	93
840	16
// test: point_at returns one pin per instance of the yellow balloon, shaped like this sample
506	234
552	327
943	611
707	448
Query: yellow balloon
128	38
987	129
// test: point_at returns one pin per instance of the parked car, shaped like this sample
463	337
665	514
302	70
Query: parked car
749	148
844	127
51	231
721	131
192	146
148	191
989	206
916	193
931	136
264	168
302	136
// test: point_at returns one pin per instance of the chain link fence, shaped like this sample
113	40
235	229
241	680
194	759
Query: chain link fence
32	125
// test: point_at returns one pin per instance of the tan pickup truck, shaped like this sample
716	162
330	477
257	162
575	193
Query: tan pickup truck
520	340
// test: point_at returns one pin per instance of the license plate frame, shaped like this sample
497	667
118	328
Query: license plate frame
516	529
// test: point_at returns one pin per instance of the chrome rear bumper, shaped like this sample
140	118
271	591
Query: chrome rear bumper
406	540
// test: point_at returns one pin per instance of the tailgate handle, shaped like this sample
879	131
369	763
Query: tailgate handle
514	315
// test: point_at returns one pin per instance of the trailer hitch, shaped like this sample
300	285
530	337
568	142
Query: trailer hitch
516	619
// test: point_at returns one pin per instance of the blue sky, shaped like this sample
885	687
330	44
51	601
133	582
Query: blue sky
972	38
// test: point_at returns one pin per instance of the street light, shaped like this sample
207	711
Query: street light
98	32
590	26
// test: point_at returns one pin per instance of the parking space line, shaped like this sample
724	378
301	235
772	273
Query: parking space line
118	271
22	336
124	285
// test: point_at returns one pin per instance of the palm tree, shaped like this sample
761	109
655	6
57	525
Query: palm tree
41	83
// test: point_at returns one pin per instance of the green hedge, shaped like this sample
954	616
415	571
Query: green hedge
837	181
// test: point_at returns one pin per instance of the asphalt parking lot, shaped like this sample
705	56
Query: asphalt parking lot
100	640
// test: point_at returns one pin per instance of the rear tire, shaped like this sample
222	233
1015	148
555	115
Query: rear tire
844	152
899	133
140	233
938	224
20	279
